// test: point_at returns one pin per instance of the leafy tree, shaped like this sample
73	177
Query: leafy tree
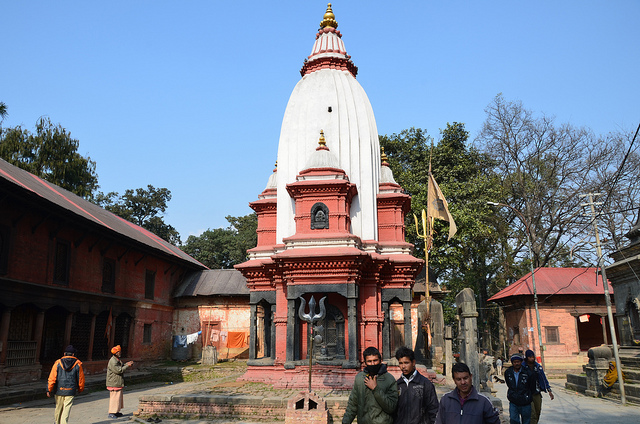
478	251
222	248
51	154
3	111
143	207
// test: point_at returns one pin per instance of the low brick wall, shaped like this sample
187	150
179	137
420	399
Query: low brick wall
227	406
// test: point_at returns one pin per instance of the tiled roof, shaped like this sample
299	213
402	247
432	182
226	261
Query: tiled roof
556	281
25	184
223	282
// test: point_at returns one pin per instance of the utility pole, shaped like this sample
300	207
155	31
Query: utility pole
533	274
605	284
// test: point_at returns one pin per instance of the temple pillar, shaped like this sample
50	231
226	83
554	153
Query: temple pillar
38	333
253	322
4	335
272	350
353	331
112	334
386	331
291	328
408	342
67	329
92	334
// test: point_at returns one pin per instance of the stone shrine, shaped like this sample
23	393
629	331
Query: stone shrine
330	223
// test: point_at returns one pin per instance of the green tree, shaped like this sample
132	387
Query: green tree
50	153
143	207
3	111
222	248
478	252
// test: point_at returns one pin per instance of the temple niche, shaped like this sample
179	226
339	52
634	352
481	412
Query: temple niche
330	223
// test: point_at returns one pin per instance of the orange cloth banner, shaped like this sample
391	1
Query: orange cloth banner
235	339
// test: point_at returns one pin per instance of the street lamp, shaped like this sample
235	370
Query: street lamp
533	278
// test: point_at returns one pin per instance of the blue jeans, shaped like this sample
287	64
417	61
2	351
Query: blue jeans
515	412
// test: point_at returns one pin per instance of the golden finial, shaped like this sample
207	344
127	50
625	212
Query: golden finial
384	157
322	142
329	19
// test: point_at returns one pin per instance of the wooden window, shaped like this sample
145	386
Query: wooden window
552	334
108	275
149	284
146	335
61	264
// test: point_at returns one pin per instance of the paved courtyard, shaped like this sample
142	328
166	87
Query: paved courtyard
568	407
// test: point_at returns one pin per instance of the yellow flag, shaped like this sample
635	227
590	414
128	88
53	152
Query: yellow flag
437	206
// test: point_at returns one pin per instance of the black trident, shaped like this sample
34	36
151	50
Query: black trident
311	318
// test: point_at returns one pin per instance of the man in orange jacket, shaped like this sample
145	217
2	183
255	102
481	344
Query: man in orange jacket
65	381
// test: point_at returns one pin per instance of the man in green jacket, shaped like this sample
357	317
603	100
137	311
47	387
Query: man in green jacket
374	396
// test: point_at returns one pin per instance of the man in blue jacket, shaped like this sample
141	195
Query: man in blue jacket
521	383
417	399
464	405
542	385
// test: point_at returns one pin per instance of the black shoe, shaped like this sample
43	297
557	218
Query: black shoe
118	414
113	416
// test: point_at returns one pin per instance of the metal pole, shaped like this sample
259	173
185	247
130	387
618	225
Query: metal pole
605	284
535	299
533	275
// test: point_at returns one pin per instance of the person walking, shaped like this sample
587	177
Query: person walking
417	399
66	379
115	382
521	383
374	396
542	385
499	366
464	405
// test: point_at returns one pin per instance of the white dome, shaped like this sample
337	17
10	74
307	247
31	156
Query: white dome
386	175
331	100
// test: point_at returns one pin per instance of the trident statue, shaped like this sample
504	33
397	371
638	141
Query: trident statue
314	331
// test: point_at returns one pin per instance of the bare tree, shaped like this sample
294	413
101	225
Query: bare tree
544	168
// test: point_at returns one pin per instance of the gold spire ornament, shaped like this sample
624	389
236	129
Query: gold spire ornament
322	141
329	19
384	157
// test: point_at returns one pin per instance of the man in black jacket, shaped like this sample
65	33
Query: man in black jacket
521	383
417	401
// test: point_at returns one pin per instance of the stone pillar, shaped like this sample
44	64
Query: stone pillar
406	313
353	331
468	334
38	334
291	328
252	331
4	335
448	353
91	337
386	332
597	368
437	332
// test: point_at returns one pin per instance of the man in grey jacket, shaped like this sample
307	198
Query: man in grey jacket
464	405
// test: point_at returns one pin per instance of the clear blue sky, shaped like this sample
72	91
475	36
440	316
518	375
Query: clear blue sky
190	95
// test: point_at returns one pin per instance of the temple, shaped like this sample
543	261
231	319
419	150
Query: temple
330	224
